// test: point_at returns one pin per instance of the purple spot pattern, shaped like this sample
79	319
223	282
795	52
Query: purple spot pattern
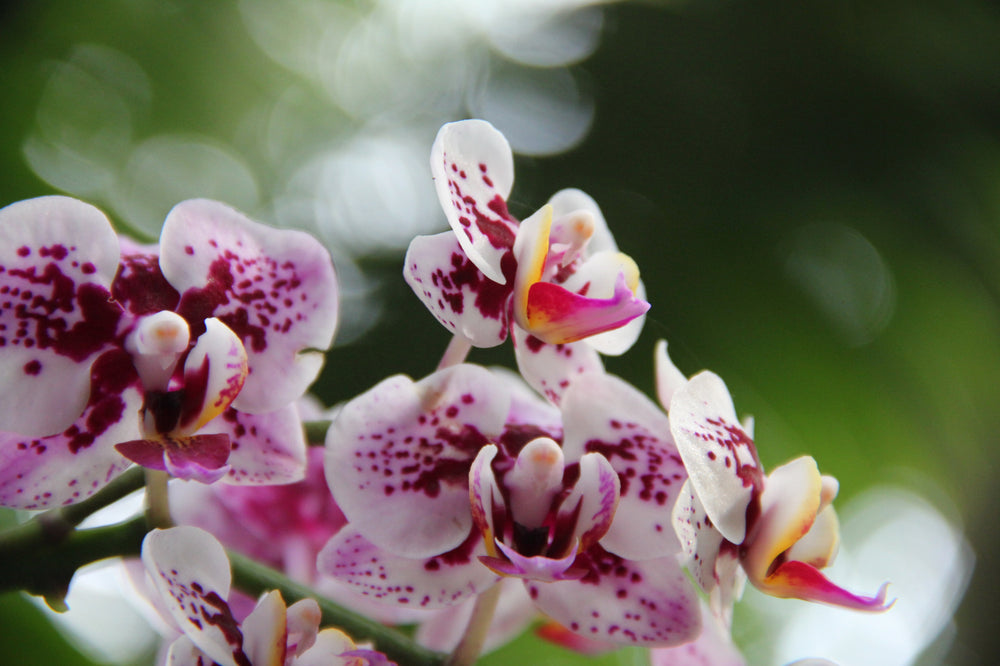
437	582
645	603
255	295
35	470
491	220
48	303
648	465
456	291
205	610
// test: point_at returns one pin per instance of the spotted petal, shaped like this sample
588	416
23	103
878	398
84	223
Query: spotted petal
700	541
456	292
398	457
550	369
275	288
43	472
425	583
713	647
719	455
267	448
57	259
647	603
190	571
473	170
604	414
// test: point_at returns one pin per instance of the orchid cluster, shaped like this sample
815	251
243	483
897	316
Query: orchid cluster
560	493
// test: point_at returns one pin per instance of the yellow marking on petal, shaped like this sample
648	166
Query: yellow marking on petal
789	505
531	247
631	271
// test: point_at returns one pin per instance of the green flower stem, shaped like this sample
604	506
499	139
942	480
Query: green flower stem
255	578
53	526
157	499
45	568
471	644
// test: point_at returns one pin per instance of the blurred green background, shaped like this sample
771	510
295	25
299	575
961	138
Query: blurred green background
811	190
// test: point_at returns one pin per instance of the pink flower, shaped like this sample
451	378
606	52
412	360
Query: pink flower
779	530
554	279
460	478
190	574
151	350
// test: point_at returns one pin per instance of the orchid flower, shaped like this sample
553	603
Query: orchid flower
452	482
780	530
186	357
554	279
191	576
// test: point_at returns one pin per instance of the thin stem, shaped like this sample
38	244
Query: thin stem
157	499
471	645
46	569
255	578
456	352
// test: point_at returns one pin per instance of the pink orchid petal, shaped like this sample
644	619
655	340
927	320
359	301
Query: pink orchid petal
527	407
416	583
550	369
190	571
668	377
557	315
788	507
197	458
713	647
456	292
398	457
700	541
444	628
647	603
275	288
557	634
302	625
484	494
264	631
731	579
538	567
473	170
215	371
818	547
592	502
267	449
597	278
798	580
57	259
330	644
182	652
719	455
531	248
39	473
606	415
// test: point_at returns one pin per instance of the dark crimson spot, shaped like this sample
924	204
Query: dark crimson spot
32	367
140	286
